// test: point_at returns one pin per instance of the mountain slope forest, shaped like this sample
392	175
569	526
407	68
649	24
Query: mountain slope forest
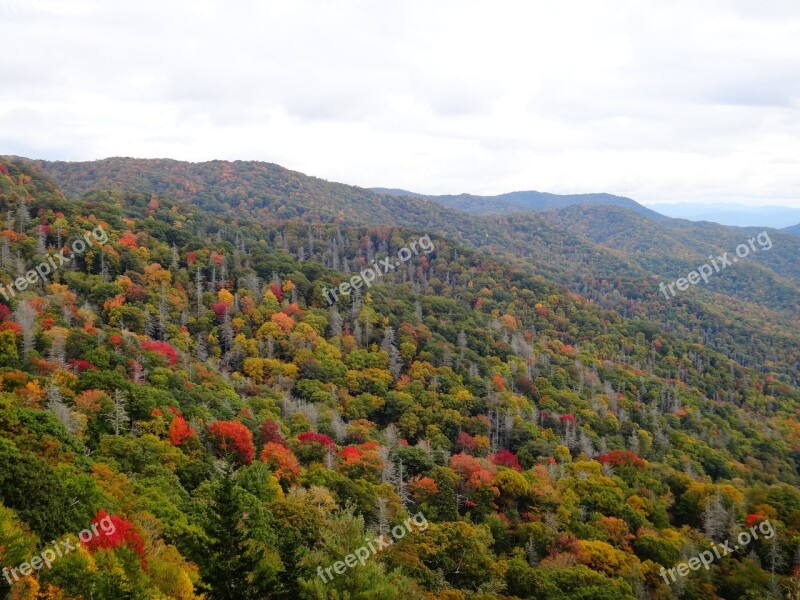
565	431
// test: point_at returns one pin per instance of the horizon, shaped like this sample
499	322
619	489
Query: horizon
732	205
694	103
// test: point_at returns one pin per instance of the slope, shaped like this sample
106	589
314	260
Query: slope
269	193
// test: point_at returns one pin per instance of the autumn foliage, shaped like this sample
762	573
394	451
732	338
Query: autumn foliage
120	534
162	348
282	461
232	438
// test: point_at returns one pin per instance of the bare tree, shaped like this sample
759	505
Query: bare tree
118	415
25	316
61	410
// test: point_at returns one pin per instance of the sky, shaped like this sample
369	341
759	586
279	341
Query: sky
659	101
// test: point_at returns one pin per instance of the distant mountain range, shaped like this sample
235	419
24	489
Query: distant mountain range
738	215
525	201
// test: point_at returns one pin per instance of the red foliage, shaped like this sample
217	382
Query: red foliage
497	379
276	289
115	340
3	169
282	461
270	433
478	302
234	438
617	458
162	348
465	465
11	325
122	534
309	437
220	308
293	310
350	454
191	257
568	419
752	519
504	458
82	365
128	240
423	488
4	310
465	442
179	431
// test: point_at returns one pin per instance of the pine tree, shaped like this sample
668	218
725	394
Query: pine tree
229	563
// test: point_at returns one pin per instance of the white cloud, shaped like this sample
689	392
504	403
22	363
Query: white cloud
660	102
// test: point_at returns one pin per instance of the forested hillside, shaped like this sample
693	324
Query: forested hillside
522	389
749	314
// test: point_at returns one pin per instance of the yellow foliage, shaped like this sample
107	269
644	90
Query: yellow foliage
171	574
26	588
225	296
603	557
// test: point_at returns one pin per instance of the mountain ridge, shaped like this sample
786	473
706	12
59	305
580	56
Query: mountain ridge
521	201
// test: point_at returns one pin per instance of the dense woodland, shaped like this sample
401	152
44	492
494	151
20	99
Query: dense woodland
564	430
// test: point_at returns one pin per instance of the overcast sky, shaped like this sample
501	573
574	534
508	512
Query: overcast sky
659	101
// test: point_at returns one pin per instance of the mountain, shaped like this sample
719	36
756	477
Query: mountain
739	215
794	229
513	405
560	252
524	201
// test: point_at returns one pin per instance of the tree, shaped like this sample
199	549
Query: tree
342	534
118	417
232	439
25	316
230	563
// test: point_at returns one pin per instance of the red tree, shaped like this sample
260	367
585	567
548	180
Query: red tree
617	458
179	431
309	437
162	348
270	432
114	532
232	437
504	458
282	461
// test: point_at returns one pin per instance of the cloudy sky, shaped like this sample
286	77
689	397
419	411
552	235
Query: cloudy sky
659	101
